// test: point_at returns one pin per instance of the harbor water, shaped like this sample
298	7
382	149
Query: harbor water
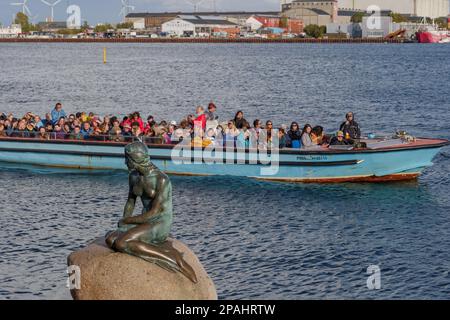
257	240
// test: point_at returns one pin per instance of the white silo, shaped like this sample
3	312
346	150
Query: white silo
431	8
421	8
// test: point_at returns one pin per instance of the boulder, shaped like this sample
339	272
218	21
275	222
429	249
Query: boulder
109	275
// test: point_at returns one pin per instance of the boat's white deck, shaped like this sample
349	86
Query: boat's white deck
383	143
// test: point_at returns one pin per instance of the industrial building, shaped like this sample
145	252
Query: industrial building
194	25
54	26
320	12
337	13
258	22
421	8
11	32
384	28
154	21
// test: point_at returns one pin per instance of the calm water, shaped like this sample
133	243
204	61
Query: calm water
256	239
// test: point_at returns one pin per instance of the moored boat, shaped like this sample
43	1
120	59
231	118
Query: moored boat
432	35
382	159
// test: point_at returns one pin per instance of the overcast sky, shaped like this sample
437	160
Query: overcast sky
96	11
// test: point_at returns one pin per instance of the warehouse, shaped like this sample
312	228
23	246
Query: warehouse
320	12
186	26
154	20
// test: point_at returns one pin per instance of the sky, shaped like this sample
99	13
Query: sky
98	11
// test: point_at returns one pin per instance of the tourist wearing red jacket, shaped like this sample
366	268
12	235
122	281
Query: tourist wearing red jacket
201	118
136	117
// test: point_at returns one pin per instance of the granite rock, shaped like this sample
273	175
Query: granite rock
109	275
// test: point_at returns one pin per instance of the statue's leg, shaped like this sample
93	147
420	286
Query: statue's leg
111	238
136	242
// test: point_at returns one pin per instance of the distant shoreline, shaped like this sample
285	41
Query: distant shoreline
199	40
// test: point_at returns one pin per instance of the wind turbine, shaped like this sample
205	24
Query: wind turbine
126	8
25	9
52	6
195	3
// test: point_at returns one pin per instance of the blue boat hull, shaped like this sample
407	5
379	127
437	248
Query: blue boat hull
294	166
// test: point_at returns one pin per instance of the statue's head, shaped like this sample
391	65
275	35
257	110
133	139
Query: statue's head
137	157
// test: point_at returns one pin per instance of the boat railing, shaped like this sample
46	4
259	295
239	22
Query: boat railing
63	136
121	140
82	137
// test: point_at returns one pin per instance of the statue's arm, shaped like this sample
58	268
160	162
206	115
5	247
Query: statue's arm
129	206
158	203
131	202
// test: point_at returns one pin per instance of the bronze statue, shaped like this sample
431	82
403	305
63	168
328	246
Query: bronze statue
145	236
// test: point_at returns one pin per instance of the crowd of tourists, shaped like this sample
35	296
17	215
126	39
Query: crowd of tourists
200	129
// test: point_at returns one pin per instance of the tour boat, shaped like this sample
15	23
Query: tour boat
382	159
